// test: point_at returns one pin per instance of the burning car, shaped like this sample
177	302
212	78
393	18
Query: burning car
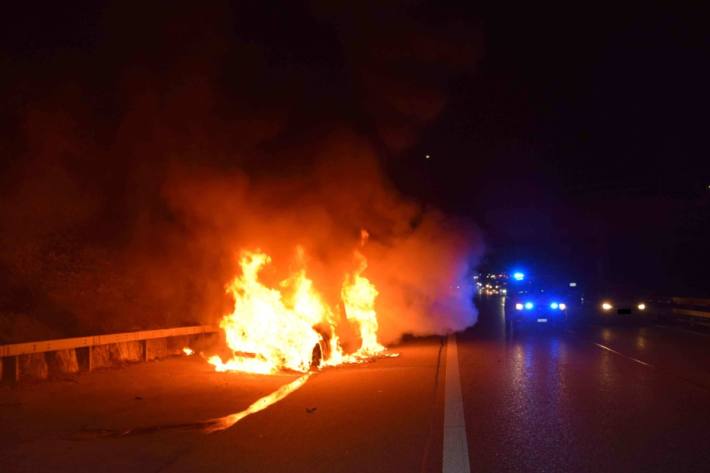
291	327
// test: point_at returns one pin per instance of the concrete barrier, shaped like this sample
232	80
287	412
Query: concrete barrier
42	359
62	362
34	366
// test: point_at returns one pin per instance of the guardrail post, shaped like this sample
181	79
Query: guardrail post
83	358
16	369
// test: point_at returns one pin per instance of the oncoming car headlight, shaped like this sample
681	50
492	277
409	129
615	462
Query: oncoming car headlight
563	306
518	306
607	306
641	306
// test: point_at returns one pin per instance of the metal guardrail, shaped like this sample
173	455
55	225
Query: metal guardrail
83	342
10	354
690	307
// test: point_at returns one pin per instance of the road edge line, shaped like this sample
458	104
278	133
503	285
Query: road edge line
455	448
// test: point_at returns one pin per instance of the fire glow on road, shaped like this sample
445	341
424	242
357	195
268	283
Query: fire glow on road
207	426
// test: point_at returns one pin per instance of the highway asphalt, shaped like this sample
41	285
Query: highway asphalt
576	399
612	398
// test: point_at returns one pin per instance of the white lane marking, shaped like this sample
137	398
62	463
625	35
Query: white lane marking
455	442
604	347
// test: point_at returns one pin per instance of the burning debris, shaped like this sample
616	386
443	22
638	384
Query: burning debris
291	327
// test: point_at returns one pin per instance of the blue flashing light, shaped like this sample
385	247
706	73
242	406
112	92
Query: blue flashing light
518	275
529	305
554	305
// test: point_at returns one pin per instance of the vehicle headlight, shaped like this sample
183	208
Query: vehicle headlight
563	306
607	306
529	305
641	306
554	305
518	306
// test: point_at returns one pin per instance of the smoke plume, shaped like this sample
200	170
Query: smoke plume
147	153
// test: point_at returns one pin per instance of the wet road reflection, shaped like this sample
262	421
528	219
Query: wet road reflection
583	398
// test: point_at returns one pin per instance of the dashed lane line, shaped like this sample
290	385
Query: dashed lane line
635	360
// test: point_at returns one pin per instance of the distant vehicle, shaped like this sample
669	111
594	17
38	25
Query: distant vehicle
538	303
615	306
491	284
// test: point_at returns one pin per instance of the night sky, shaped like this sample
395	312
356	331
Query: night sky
580	138
573	135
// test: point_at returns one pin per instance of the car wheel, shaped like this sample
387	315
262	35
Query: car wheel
316	357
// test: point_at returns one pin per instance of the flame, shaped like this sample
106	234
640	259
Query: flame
359	296
292	327
264	333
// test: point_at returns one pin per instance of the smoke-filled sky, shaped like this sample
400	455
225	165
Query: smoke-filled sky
150	143
146	142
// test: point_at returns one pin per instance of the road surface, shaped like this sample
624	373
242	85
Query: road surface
588	398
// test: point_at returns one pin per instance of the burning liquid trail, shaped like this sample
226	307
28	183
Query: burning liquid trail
226	422
208	426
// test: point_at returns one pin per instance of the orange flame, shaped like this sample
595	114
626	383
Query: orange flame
359	294
292	328
263	332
